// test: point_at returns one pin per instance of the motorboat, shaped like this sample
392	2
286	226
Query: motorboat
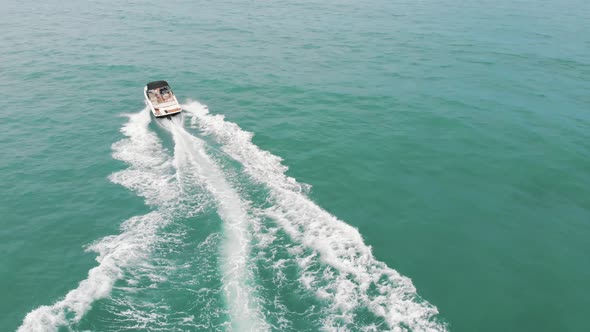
160	99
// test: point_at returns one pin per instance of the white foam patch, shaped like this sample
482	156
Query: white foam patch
351	278
190	156
149	174
143	302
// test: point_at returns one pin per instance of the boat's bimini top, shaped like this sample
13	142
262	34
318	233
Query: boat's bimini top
157	84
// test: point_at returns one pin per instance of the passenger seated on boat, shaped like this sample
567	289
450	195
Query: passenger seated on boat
165	93
159	98
153	97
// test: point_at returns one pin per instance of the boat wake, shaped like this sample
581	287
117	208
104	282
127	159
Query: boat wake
190	156
277	262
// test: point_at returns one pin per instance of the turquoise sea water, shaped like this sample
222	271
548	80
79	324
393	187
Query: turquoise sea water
438	166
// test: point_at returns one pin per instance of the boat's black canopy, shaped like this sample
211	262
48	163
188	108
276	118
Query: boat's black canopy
156	85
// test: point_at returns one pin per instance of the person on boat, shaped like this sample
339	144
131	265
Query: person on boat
165	93
158	96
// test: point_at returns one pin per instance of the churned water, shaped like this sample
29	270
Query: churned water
340	166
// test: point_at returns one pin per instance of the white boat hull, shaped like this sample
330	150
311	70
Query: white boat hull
161	106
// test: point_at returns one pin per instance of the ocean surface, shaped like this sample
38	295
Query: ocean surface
339	166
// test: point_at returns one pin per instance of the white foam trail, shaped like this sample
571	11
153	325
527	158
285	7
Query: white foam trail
189	153
149	174
355	278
